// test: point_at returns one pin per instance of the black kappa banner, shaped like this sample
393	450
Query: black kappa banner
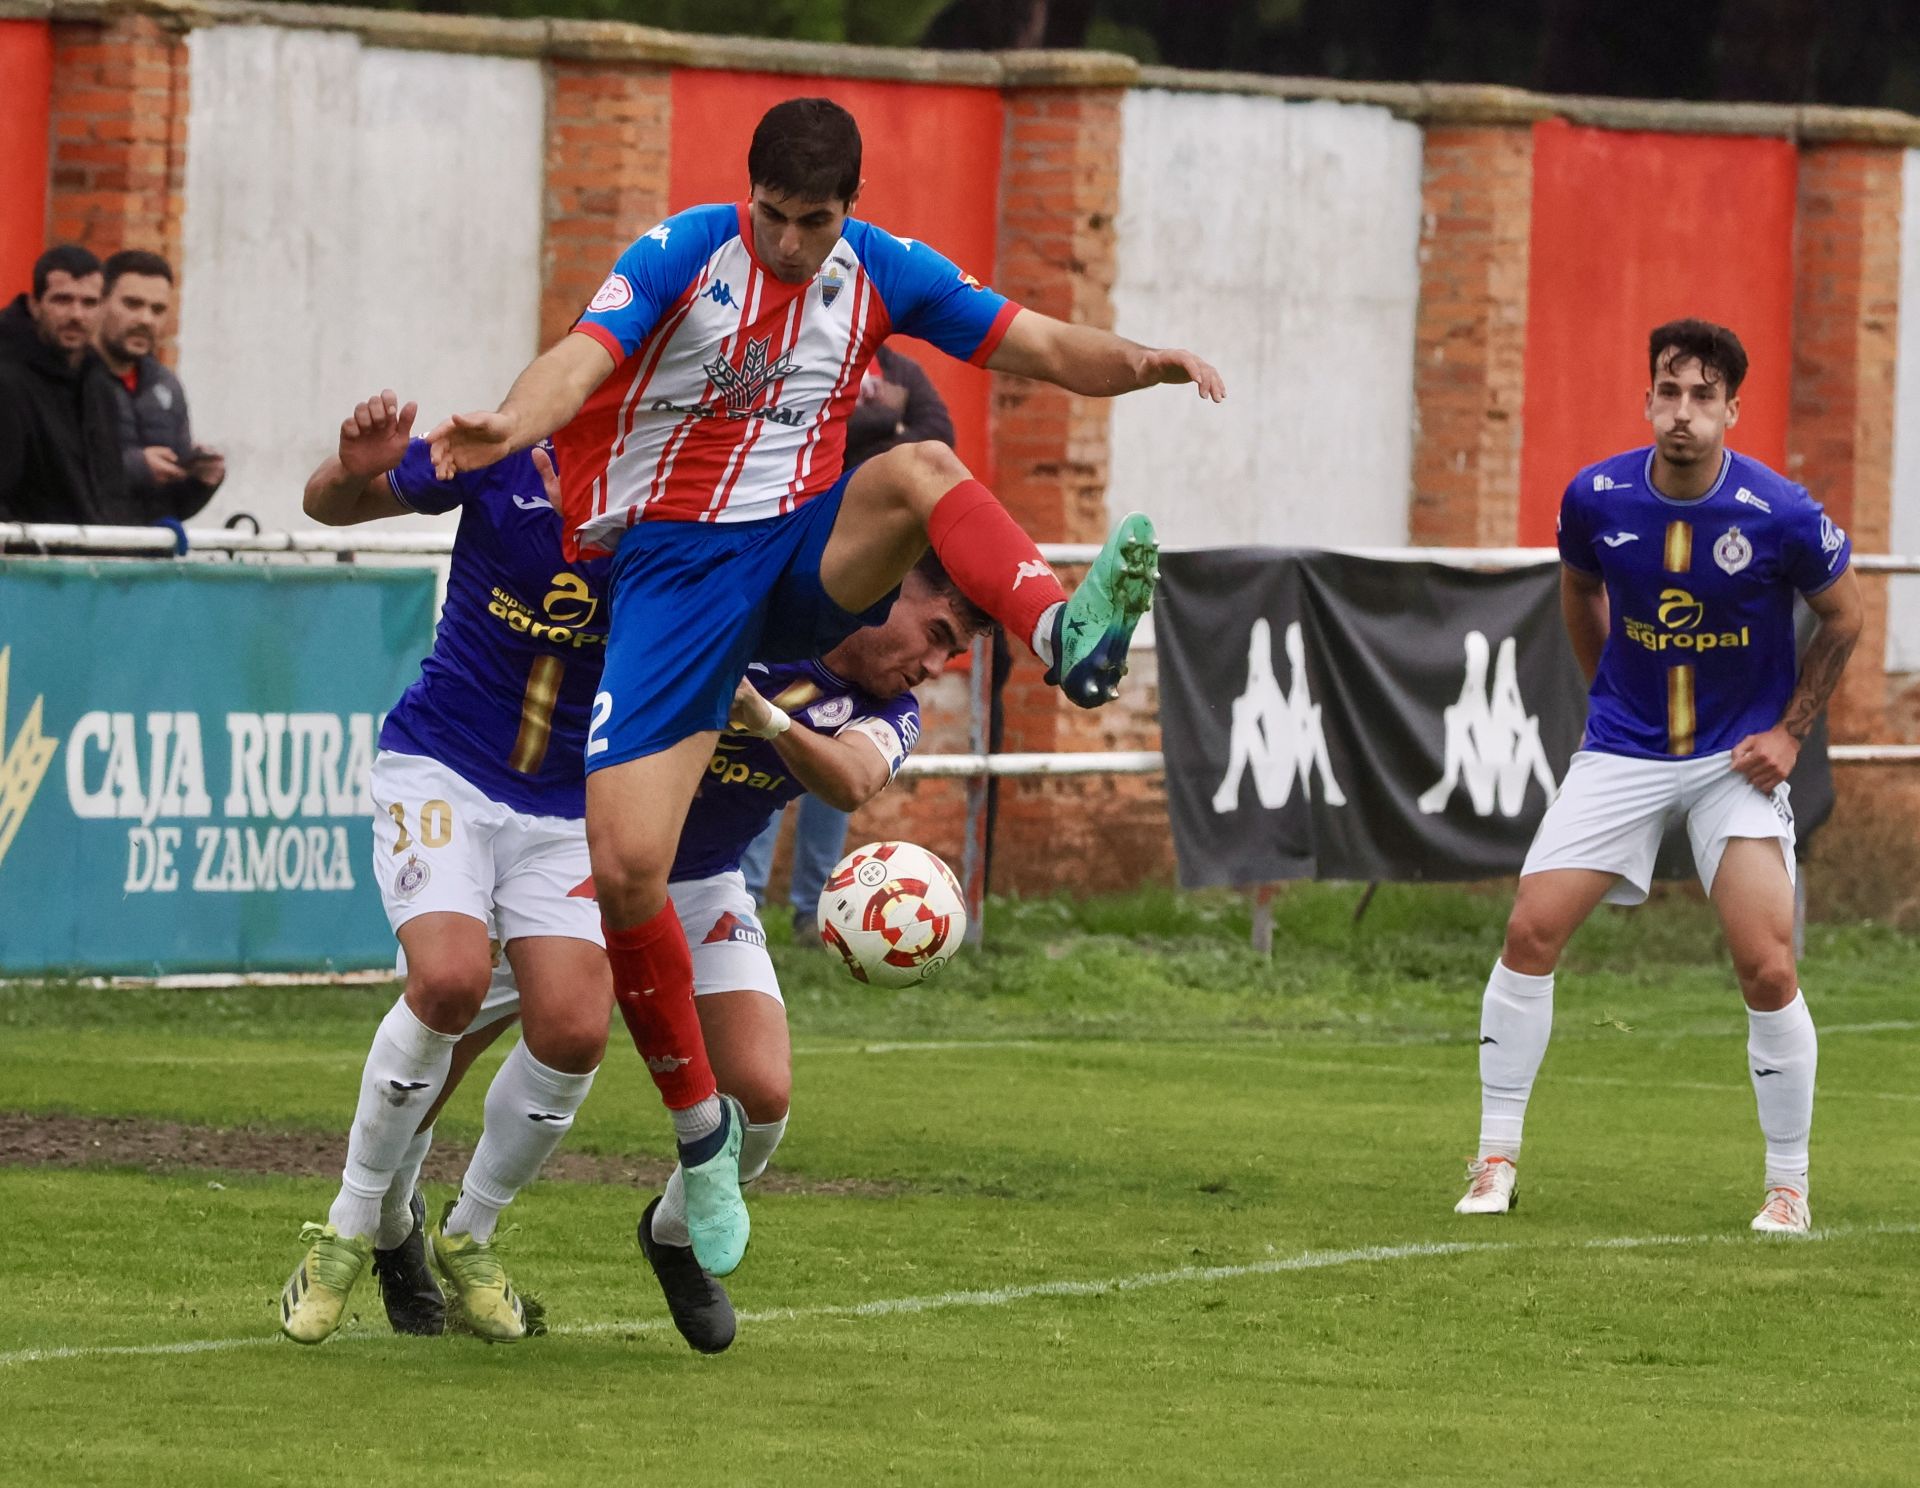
1328	716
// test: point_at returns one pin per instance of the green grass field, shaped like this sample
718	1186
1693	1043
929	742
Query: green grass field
1135	1206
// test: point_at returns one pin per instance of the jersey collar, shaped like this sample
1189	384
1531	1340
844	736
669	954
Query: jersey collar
1726	465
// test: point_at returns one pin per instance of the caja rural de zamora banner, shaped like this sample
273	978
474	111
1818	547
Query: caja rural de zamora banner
184	752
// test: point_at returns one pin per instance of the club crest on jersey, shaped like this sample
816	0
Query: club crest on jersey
1732	552
831	713
411	878
832	281
742	386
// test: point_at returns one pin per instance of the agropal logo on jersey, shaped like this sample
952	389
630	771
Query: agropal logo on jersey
1277	736
1679	625
1492	742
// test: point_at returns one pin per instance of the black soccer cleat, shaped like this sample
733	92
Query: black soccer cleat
412	1296
700	1307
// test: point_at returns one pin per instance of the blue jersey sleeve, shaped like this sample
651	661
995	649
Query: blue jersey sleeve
1576	532
927	295
894	728
416	487
1816	549
653	273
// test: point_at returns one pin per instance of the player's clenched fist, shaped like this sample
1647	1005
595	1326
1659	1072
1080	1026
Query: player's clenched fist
374	436
1766	760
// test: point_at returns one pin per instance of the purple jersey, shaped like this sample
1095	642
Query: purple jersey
747	780
503	699
1700	646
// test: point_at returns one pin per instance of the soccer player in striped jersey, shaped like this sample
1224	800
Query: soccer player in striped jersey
699	407
1680	564
478	830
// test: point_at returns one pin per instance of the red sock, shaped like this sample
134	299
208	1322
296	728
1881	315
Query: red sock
653	983
993	561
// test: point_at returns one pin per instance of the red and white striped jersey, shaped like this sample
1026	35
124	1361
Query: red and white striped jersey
730	394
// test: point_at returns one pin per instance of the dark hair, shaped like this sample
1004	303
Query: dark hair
63	258
933	573
808	149
1714	347
137	261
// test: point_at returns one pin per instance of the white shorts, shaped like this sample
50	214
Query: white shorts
440	846
1612	811
724	933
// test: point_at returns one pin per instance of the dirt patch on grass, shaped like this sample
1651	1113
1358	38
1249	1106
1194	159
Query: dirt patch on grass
34	1140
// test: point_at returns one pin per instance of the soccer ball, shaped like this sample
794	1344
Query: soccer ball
894	912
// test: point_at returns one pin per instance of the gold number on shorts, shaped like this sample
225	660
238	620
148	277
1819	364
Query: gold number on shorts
436	824
399	815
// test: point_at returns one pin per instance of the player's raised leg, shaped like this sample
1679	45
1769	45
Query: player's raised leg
746	1031
1753	895
635	810
448	965
919	494
1516	1021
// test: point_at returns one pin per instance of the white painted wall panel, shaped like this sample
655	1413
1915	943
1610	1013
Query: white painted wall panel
1280	241
356	218
1903	595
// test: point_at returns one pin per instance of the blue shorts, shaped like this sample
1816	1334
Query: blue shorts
693	603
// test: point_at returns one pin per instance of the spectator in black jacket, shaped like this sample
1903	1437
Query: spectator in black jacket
167	474
59	428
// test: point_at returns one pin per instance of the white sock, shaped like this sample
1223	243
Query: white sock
1042	638
529	1109
756	1151
396	1209
1783	1053
1516	1019
405	1069
697	1121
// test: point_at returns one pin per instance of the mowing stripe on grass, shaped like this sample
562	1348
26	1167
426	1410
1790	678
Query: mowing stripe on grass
1311	1260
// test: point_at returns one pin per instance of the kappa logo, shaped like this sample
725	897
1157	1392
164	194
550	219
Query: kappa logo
661	233
1275	735
665	1064
1031	568
1620	539
721	294
1492	743
1744	495
742	386
1608	483
25	763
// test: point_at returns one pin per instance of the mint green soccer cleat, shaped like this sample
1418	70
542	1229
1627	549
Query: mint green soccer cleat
483	1298
315	1296
717	1221
1094	627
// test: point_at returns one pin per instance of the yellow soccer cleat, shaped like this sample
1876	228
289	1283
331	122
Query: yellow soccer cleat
315	1296
479	1290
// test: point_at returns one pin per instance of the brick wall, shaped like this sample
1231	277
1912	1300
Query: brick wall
118	137
608	156
1846	344
1470	335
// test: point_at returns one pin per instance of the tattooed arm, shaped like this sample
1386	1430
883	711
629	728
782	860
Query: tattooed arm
1767	759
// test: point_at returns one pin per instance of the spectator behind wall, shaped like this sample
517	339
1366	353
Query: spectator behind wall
898	405
167	474
59	426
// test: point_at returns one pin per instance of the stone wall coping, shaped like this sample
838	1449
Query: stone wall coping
617	41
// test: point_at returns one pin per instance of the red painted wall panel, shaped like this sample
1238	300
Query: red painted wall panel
26	97
932	165
1630	230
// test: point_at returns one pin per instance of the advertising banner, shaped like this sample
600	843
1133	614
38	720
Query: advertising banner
184	752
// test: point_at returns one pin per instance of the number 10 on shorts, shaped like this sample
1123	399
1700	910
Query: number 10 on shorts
434	822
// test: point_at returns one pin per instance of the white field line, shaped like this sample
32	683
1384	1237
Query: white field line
1312	1260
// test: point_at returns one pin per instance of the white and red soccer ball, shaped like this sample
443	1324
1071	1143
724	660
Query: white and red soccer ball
893	912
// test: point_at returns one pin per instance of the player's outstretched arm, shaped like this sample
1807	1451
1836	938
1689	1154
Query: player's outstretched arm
1095	363
844	770
1767	759
350	485
542	398
1583	606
